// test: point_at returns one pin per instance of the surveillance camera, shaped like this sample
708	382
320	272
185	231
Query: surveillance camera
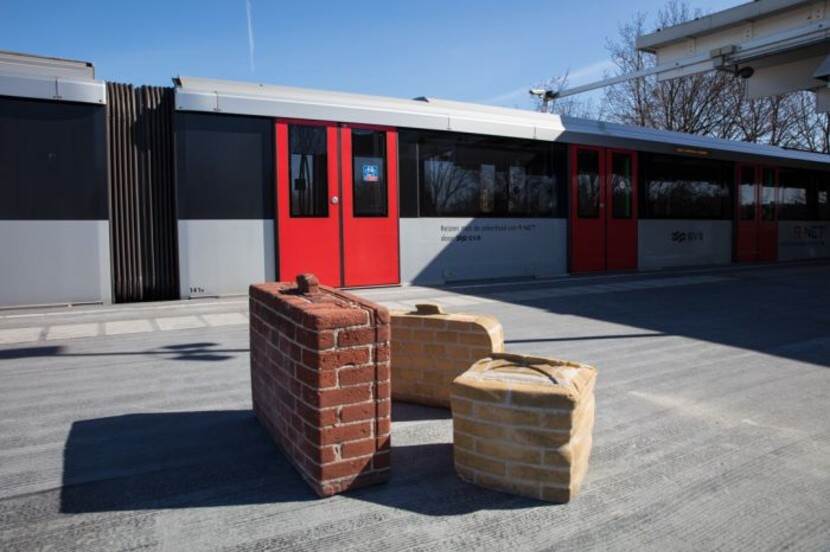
538	91
746	72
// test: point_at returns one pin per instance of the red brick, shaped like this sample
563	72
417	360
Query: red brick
381	460
333	318
356	374
312	392
316	378
329	360
356	336
315	340
384	409
336	470
382	353
349	395
357	412
357	448
339	434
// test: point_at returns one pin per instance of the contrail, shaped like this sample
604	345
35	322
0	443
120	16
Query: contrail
250	34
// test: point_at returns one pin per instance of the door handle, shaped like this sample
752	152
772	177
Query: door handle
335	200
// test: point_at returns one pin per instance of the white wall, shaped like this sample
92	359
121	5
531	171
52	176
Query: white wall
224	257
803	240
438	250
668	243
54	261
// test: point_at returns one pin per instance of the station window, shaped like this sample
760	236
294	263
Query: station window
805	195
369	166
308	171
462	175
682	188
621	176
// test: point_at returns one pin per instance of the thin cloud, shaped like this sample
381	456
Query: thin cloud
593	72
250	34
506	96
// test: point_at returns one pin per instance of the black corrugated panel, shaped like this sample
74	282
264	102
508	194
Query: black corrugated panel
142	193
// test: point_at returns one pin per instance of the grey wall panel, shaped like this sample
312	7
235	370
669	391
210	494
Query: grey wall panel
54	261
803	239
668	243
223	257
438	250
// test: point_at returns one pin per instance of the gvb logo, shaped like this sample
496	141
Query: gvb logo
678	236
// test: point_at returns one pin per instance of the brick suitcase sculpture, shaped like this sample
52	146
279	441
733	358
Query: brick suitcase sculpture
524	425
430	348
320	381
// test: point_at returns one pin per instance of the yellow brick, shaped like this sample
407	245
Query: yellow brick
461	407
464	441
506	485
446	337
508	451
503	415
478	339
479	391
557	494
435	322
478	429
529	396
549	476
479	463
425	336
537	437
434	349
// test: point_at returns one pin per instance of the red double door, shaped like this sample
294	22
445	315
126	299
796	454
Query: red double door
337	204
756	226
603	209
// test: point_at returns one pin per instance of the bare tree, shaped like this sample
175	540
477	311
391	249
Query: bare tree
712	103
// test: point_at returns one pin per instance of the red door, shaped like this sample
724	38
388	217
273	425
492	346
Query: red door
343	229
603	226
370	206
756	227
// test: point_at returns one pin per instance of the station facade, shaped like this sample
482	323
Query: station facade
269	181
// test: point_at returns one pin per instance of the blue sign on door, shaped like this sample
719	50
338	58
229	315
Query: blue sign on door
370	173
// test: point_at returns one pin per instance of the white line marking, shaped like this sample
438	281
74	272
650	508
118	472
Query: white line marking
119	327
72	331
19	335
179	323
225	319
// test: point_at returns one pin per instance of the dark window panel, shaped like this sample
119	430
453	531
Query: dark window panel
746	193
408	172
463	175
225	166
369	180
768	193
587	184
675	187
621	187
804	195
52	161
308	171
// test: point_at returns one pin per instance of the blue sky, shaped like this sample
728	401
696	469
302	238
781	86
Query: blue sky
473	50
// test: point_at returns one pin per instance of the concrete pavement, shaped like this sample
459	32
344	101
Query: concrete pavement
712	429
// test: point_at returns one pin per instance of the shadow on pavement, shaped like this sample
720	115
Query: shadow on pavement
204	351
222	458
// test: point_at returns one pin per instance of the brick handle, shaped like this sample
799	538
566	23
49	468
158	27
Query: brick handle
308	284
